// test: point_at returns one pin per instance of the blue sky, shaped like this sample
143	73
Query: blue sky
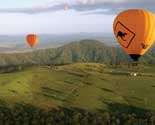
49	17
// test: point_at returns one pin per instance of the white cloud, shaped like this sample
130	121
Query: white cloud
98	1
113	6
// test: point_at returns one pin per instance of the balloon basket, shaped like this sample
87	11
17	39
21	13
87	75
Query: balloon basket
134	64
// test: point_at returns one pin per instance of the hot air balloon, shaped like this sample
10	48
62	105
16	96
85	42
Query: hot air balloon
135	31
32	39
66	7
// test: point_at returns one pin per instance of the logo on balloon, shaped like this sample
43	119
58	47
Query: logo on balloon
124	34
121	35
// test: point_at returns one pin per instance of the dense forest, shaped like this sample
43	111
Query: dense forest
29	115
80	51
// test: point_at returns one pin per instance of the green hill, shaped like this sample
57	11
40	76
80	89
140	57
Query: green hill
86	80
89	86
81	51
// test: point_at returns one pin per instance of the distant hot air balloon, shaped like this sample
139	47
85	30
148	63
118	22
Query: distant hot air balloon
135	31
66	7
32	39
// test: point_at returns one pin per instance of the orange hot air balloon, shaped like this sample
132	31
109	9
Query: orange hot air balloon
32	39
66	7
135	31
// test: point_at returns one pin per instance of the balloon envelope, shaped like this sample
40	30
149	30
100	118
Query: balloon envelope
32	39
66	7
135	31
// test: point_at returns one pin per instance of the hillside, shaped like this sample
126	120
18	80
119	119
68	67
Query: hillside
77	93
77	51
89	86
80	51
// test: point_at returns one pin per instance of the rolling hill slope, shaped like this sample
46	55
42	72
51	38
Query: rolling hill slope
80	51
89	86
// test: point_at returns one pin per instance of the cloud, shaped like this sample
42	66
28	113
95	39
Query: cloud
114	6
86	6
34	10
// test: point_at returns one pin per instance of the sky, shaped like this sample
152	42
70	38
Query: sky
49	16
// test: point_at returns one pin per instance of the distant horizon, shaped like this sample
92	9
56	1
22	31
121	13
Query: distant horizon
80	33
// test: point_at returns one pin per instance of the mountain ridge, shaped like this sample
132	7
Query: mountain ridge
78	51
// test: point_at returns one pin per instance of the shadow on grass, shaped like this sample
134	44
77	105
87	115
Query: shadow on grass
107	90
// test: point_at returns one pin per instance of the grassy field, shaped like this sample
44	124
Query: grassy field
90	86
